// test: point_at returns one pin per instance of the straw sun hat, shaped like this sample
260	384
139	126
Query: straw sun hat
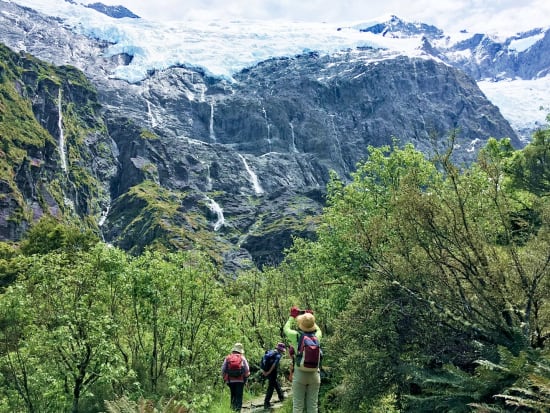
306	323
238	347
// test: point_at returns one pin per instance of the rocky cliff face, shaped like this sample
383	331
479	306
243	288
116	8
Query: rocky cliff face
54	157
236	168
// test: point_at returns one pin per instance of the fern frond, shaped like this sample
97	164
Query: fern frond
518	401
121	405
491	366
485	408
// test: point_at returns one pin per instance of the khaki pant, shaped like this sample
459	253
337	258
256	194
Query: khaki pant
305	391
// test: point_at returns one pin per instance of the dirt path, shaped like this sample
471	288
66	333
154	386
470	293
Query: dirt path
257	404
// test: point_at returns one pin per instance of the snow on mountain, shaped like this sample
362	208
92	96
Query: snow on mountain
522	44
524	103
222	48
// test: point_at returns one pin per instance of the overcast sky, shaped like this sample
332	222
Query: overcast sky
474	15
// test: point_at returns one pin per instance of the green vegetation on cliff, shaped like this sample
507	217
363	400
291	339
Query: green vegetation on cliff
21	134
39	103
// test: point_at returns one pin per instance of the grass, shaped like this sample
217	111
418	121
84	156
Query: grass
221	404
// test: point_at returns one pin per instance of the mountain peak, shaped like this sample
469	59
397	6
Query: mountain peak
117	12
394	26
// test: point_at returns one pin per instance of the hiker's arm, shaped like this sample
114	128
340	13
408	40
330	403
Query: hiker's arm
275	364
224	366
290	333
267	373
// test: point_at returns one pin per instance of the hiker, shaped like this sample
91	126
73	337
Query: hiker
304	335
235	371
270	362
291	353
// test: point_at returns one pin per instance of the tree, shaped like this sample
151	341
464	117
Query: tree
10	264
80	327
64	347
177	325
446	279
48	234
530	167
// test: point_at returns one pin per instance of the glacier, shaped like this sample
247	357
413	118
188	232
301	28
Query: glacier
220	48
223	48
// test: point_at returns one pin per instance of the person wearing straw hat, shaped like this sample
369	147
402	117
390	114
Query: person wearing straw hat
272	376
305	381
235	371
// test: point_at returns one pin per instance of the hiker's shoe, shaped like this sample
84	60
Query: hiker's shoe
268	405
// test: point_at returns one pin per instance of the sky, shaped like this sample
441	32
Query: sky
508	16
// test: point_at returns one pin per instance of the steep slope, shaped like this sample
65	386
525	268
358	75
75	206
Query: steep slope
54	157
330	106
292	121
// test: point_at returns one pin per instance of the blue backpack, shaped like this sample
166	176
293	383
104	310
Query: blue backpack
268	359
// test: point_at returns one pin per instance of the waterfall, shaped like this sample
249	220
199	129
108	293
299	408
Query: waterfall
202	97
103	216
472	146
211	126
293	146
253	177
268	128
61	135
208	178
215	207
337	144
151	116
70	203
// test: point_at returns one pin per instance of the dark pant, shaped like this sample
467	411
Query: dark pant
273	384
237	390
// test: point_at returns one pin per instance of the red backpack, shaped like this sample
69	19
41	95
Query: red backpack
235	365
308	357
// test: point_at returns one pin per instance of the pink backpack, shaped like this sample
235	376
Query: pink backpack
309	353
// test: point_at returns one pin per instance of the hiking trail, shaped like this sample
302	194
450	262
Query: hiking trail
257	404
